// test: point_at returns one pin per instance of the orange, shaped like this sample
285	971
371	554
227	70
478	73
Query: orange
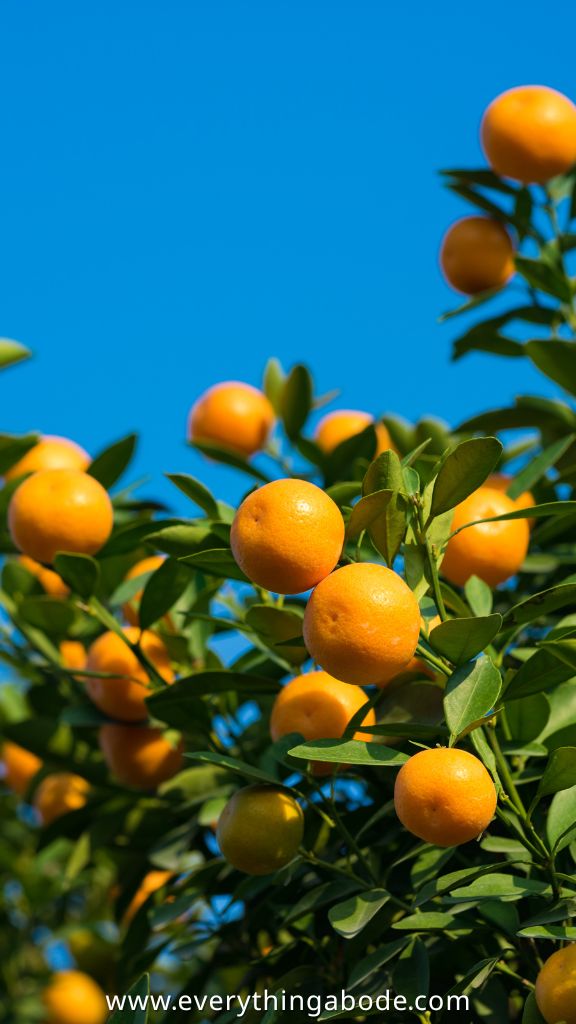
492	551
59	510
501	482
318	707
362	624
153	881
122	695
140	756
233	415
59	794
52	583
529	134
287	536
477	254
20	767
338	426
73	654
260	829
146	565
73	997
556	987
50	453
444	796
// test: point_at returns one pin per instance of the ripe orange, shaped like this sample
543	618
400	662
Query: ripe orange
20	767
59	510
59	794
145	565
50	453
492	551
140	756
233	415
122	695
444	796
52	583
153	881
338	426
287	536
73	654
529	134
260	829
318	706
362	624
556	987
73	997
501	482
477	254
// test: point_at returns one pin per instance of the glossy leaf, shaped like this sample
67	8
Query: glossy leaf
296	400
459	640
463	470
196	491
471	693
80	572
110	464
349	752
353	914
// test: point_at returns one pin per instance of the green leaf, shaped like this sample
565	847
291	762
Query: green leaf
273	383
197	492
216	562
341	461
206	683
425	922
541	672
436	887
384	473
550	508
556	359
542	276
531	1013
500	886
482	339
483	178
479	596
80	572
353	914
49	614
471	693
12	352
232	764
13	448
563	650
559	774
163	589
280	627
296	400
537	467
349	752
226	457
463	470
549	932
139	992
374	961
368	509
459	640
541	604
110	464
383	477
561	820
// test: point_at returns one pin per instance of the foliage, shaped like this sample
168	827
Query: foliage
364	906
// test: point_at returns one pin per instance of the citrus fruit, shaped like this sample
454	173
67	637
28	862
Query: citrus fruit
556	987
20	766
73	654
59	794
59	510
287	536
492	551
444	796
73	997
338	426
140	756
318	706
143	567
260	829
123	693
50	453
232	415
153	881
477	254
529	134
49	580
362	624
501	482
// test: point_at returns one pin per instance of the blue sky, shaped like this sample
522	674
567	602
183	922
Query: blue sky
188	188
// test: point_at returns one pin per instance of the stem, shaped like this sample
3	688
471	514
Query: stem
504	969
97	609
437	662
423	539
516	801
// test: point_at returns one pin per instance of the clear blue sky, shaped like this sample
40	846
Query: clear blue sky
190	187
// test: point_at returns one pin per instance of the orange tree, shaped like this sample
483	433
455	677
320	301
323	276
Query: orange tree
398	814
